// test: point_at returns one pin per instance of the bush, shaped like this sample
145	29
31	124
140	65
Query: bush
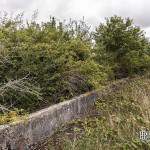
56	59
122	46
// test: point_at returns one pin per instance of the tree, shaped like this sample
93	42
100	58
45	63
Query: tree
123	46
56	57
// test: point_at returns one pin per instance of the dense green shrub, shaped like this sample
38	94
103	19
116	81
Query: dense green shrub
45	63
122	46
52	60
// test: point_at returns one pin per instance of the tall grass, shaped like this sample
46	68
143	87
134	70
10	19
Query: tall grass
120	116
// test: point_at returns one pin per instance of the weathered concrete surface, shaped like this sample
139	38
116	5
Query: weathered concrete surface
42	124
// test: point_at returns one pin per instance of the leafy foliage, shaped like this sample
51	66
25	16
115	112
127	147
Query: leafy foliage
55	57
122	46
45	63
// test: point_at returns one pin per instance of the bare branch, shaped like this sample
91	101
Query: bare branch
22	86
3	108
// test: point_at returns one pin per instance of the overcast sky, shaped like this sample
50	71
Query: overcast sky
94	11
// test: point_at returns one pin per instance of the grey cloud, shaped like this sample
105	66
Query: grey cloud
16	4
93	10
138	10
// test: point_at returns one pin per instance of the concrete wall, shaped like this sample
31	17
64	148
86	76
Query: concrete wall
42	124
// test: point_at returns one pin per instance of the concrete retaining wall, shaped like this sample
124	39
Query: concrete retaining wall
42	124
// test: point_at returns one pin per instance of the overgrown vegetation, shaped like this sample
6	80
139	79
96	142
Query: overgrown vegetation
119	118
13	116
122	46
45	63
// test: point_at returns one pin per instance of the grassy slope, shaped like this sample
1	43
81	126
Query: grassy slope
119	118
